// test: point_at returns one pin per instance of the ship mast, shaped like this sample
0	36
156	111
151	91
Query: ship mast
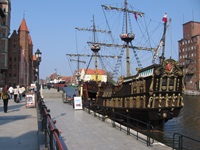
95	47
127	37
78	73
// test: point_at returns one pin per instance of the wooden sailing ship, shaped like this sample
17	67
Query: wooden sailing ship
154	95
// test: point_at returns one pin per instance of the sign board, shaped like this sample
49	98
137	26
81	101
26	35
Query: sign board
30	100
78	103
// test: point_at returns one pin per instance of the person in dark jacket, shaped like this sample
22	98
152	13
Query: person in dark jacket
5	97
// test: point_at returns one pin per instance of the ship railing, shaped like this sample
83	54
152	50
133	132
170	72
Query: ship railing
134	127
52	137
182	142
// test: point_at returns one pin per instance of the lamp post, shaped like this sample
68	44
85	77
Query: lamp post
38	56
187	63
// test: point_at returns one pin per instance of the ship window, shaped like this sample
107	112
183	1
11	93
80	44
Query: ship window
171	82
164	81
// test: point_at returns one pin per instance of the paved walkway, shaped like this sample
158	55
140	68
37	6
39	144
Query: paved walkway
82	131
18	127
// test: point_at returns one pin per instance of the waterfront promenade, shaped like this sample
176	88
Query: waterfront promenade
83	131
19	128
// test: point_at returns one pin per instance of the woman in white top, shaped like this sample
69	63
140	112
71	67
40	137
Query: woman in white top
16	93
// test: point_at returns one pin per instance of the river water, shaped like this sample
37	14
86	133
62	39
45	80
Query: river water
187	124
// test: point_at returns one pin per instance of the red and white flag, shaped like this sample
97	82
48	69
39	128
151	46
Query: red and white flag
135	15
164	19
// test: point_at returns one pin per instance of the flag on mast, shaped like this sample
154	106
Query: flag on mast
135	15
164	19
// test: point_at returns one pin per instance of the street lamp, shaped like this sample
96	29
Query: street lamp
187	63
38	56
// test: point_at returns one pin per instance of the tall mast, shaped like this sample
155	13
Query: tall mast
162	58
127	37
95	47
127	43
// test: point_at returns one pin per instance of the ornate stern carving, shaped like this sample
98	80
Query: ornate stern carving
169	68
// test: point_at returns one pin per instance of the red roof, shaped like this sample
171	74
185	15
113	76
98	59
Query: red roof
23	26
93	71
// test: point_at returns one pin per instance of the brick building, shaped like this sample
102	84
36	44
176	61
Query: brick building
20	57
5	10
189	54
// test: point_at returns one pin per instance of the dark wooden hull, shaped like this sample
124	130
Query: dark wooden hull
154	95
151	116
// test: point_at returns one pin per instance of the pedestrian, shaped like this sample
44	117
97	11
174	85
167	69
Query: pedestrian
0	91
5	97
11	91
16	93
20	93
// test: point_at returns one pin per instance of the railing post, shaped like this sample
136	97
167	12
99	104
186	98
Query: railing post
180	142
147	136
51	137
128	123
45	132
113	120
89	107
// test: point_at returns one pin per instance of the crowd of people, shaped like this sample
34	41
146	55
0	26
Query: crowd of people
16	93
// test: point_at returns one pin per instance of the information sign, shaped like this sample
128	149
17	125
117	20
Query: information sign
78	103
30	100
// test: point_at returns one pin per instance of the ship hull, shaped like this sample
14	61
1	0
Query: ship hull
154	117
154	95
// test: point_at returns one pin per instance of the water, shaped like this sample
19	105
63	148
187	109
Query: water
187	123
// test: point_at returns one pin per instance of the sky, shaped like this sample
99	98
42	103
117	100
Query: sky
52	26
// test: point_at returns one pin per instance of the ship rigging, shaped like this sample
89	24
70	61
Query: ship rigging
154	94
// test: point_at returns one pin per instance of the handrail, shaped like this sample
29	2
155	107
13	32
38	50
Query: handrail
53	139
132	123
127	122
181	142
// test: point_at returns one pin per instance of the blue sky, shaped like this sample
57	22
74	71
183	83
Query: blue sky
52	26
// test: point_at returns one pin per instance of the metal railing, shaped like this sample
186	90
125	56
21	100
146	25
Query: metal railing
141	130
126	123
53	139
182	142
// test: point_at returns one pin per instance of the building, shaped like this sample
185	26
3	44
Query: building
91	74
20	57
189	54
5	10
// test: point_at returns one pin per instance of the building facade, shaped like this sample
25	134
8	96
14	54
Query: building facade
20	57
5	15
189	54
92	74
